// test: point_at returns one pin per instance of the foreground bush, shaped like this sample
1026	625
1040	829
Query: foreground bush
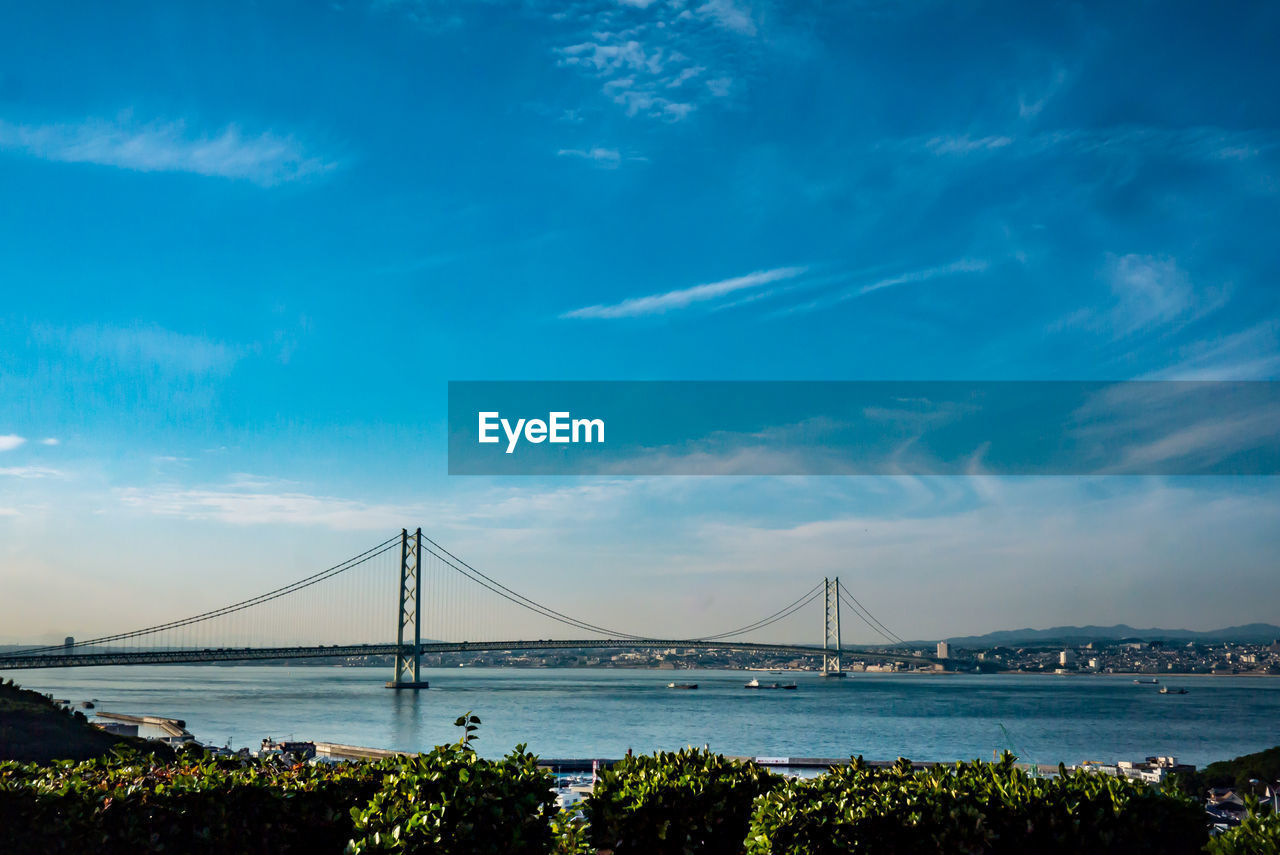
453	801
978	808
689	802
444	802
133	804
1257	835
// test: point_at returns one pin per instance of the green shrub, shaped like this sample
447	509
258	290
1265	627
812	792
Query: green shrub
133	804
977	808
572	835
689	802
453	801
1259	834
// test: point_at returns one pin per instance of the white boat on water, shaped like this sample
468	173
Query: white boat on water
756	684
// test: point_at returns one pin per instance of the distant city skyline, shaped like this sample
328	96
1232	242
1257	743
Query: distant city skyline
246	247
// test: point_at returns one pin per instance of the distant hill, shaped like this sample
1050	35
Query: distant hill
1250	633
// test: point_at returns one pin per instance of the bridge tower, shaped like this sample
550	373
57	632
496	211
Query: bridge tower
831	625
408	661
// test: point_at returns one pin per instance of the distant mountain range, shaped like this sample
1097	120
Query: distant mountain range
1249	633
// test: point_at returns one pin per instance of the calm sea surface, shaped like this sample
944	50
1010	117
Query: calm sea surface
602	713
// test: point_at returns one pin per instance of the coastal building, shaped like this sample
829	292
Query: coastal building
1153	770
1067	657
944	650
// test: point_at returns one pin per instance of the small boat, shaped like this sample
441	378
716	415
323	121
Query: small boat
756	684
682	685
1152	680
1165	690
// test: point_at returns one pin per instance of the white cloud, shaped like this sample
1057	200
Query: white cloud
657	304
264	158
606	157
720	87
1053	556
606	57
645	53
1149	291
49	440
30	472
728	14
8	442
685	76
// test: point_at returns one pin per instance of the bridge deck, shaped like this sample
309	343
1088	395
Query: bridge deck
75	659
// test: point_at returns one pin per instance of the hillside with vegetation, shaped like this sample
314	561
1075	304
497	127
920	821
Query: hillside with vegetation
1238	773
35	729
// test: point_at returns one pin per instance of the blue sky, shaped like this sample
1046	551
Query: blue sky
244	246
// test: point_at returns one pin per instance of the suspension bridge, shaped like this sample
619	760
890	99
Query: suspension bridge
462	609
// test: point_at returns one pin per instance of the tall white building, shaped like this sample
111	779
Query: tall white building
1067	657
944	650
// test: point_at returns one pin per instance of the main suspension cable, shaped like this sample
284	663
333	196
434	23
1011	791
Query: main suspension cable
300	584
784	612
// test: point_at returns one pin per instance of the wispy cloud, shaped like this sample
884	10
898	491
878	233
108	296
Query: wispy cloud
50	440
964	265
1149	293
1251	354
264	158
30	472
244	505
609	158
960	266
1191	143
657	304
1031	103
1174	428
10	441
147	346
965	144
